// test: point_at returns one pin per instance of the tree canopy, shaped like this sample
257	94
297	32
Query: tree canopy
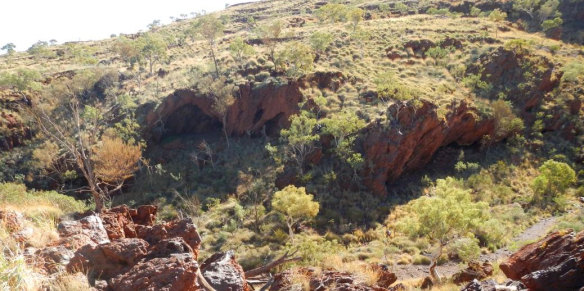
295	204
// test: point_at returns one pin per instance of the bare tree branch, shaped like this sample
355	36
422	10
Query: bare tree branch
286	258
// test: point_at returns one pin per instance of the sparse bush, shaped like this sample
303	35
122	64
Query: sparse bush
388	87
436	11
475	83
40	49
466	248
506	122
552	23
573	71
332	12
553	180
320	41
401	7
518	46
421	260
239	49
297	58
437	52
475	11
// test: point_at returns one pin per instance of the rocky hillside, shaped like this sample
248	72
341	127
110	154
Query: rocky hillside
350	143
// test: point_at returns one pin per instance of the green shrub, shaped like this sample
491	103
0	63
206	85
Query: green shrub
437	52
573	221
466	248
262	76
421	260
475	83
573	71
493	234
552	23
314	250
475	12
553	180
435	11
388	87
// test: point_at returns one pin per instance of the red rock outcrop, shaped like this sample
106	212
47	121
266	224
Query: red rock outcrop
412	136
224	273
54	258
108	260
414	133
326	280
176	272
15	131
142	255
491	285
12	220
121	221
524	78
556	262
16	225
86	231
184	229
474	271
256	105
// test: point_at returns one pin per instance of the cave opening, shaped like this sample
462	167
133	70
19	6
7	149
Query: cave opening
190	119
274	125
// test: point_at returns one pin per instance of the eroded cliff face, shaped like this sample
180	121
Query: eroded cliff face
257	108
405	141
414	132
13	131
411	137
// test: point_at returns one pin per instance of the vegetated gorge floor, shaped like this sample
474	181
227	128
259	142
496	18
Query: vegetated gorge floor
534	232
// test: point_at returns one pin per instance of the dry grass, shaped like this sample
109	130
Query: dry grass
70	282
363	272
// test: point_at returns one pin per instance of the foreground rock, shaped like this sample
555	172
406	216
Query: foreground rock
332	280
136	254
556	262
86	231
224	273
108	260
491	285
176	272
474	271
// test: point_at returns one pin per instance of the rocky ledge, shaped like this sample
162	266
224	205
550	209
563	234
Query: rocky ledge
556	262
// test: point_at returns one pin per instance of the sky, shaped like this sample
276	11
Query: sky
24	22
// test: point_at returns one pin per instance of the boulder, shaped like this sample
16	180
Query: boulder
13	221
55	258
184	228
144	215
386	278
118	222
224	273
555	262
325	280
86	231
167	247
474	271
110	259
121	221
491	285
178	272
